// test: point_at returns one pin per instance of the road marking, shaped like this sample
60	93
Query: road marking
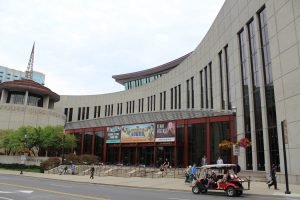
54	192
26	191
62	186
5	192
5	198
177	199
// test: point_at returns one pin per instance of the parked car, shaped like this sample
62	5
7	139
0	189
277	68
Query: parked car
220	177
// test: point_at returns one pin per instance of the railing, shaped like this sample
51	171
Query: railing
122	171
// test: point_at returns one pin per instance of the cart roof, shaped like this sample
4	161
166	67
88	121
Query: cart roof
218	166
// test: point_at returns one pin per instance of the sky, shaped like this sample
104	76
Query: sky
81	44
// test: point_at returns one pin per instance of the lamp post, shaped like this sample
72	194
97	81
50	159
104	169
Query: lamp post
23	157
63	148
236	153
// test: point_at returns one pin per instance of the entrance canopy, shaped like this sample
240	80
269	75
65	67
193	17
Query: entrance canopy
143	118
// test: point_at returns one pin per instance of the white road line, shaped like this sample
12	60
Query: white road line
5	192
177	199
59	185
6	198
26	191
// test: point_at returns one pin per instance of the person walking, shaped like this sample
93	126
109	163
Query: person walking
203	161
219	162
72	168
194	171
273	177
92	170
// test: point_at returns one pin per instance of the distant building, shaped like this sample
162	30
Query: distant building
27	103
8	74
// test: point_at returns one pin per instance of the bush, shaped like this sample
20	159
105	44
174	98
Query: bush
71	157
89	159
18	167
50	163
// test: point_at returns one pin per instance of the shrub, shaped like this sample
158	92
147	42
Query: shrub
50	163
89	159
72	157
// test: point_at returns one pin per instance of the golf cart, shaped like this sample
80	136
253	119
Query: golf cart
220	177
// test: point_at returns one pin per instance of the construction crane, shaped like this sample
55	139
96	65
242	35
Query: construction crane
29	71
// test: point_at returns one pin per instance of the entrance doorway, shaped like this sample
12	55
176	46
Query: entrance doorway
163	152
146	156
128	155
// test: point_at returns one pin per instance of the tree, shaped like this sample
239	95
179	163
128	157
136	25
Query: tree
33	139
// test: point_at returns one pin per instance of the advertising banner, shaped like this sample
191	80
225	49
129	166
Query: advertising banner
165	132
113	134
137	133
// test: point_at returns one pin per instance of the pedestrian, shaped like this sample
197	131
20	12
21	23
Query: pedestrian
65	170
219	162
92	170
194	171
273	177
203	161
72	168
166	164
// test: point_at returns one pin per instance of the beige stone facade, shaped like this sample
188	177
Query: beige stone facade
283	29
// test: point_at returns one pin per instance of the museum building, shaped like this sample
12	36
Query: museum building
241	81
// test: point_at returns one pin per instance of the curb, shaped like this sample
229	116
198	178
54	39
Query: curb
151	188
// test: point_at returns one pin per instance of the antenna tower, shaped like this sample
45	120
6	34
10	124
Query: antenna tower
29	71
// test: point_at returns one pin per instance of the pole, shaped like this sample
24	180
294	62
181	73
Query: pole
63	148
287	191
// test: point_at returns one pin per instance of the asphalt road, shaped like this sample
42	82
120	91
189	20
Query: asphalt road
23	188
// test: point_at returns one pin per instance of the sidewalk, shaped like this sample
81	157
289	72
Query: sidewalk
257	188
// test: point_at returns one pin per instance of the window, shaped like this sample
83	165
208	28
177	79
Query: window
70	115
87	112
112	110
179	96
153	102
221	81
95	111
99	108
269	88
245	92
201	88
83	113
192	89
188	93
211	86
256	96
160	101
175	91
66	112
206	89
164	100
79	113
171	98
227	77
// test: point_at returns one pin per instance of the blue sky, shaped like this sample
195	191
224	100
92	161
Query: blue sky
80	44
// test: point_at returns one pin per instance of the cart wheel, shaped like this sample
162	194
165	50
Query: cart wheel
196	189
231	192
239	193
203	191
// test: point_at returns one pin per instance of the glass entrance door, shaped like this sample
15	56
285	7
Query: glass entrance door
164	152
146	156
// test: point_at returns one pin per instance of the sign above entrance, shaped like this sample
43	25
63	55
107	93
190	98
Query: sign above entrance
137	133
165	132
113	134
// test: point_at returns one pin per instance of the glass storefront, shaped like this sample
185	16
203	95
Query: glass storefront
88	140
98	144
197	143
219	131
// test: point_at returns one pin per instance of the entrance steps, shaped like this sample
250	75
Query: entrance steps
142	171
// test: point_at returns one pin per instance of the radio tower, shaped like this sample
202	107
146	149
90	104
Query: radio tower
29	71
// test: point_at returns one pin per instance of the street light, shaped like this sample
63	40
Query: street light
63	148
23	157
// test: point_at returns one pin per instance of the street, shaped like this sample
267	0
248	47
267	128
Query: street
21	188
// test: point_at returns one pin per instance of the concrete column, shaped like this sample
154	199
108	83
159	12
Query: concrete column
46	102
26	97
3	96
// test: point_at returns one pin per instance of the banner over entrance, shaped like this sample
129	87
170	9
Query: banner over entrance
113	134
137	133
165	132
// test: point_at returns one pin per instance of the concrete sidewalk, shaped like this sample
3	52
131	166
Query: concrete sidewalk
257	188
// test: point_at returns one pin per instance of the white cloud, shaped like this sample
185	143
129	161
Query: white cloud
80	44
